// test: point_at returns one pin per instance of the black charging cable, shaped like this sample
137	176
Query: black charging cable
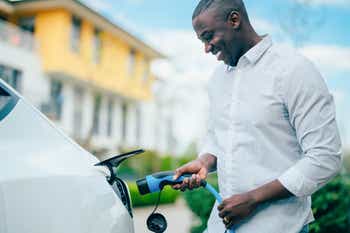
157	203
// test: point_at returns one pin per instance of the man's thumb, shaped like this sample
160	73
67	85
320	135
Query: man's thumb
177	174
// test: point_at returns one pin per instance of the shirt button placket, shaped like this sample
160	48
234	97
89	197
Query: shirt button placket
234	111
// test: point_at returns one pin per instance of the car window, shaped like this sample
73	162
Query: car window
4	98
7	101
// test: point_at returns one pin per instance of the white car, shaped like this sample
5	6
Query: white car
48	183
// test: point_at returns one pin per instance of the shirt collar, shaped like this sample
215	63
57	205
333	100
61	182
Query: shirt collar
255	53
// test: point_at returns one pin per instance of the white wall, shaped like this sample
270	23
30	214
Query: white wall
148	125
34	84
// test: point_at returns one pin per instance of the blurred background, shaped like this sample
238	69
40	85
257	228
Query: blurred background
122	74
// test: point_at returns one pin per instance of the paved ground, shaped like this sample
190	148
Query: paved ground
178	216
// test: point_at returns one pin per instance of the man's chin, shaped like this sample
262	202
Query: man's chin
229	62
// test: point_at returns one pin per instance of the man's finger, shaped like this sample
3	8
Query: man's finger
223	213
192	183
186	182
202	174
227	221
220	207
198	180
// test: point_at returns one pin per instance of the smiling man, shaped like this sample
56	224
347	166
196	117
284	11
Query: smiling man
272	134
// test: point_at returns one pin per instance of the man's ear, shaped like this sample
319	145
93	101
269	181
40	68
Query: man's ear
234	19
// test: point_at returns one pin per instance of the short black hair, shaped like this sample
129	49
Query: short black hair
224	7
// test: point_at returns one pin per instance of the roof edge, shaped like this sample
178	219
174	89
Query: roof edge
6	6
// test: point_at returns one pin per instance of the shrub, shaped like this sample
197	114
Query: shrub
331	206
168	196
200	201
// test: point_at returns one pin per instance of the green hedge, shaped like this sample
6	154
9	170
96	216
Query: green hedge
168	196
200	201
330	205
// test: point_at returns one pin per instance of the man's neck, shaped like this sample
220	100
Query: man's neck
252	39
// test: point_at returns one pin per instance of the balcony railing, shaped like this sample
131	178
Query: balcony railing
15	36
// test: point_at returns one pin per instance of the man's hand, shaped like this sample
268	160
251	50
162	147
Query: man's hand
236	208
199	168
241	206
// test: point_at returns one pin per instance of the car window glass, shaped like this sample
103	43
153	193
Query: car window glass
4	98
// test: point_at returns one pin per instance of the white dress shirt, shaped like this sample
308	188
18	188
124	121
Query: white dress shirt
272	117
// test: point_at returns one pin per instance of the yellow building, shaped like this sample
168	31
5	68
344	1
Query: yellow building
98	73
77	42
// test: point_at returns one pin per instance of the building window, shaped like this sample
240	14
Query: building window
110	117
97	46
96	115
124	120
3	18
75	34
131	62
56	98
12	76
78	112
27	24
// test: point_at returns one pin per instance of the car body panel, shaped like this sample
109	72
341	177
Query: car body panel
48	183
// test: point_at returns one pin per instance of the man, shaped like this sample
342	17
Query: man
272	134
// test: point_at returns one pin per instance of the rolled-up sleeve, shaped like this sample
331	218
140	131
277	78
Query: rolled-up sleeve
312	115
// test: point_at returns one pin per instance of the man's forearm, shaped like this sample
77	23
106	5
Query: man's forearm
270	192
209	161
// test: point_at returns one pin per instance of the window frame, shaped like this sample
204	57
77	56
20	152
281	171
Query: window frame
27	23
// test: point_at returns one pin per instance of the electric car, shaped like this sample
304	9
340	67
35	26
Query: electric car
48	183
